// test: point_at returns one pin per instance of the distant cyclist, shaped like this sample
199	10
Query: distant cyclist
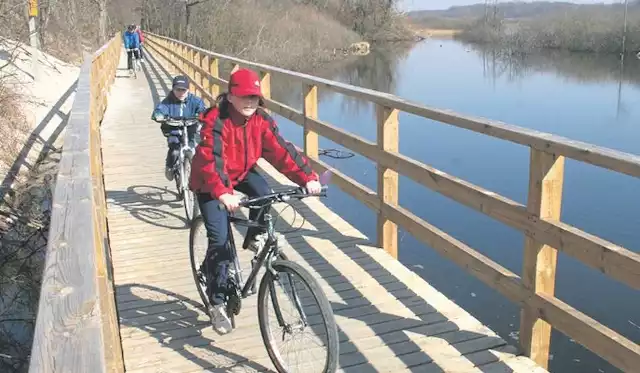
141	35
131	41
178	103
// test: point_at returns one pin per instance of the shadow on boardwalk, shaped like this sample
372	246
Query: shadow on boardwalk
390	329
149	204
174	322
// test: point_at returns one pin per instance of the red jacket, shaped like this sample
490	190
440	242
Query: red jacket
228	151
139	31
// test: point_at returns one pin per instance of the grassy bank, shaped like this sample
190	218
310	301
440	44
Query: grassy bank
286	33
521	27
597	31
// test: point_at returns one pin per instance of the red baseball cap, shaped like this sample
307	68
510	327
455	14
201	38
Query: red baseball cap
245	82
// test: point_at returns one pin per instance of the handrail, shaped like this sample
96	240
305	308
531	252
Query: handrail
539	219
604	157
77	327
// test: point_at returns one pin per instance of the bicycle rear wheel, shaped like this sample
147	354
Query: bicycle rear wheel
312	313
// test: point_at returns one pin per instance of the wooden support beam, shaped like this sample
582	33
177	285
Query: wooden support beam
546	175
310	111
387	178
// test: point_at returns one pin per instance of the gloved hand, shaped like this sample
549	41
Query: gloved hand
313	187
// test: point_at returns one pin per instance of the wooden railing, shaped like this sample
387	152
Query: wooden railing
539	219
77	327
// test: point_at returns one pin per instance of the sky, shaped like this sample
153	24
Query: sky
444	4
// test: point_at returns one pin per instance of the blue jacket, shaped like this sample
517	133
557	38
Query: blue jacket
171	106
131	40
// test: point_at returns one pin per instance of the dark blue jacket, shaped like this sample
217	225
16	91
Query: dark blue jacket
171	106
131	40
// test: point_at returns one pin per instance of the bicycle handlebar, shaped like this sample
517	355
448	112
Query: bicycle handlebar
177	121
269	199
168	117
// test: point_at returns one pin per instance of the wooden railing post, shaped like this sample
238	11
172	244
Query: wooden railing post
310	110
196	73
213	70
234	69
539	264
167	59
183	54
205	82
265	85
171	60
387	178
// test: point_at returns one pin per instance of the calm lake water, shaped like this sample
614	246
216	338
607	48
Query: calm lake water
577	96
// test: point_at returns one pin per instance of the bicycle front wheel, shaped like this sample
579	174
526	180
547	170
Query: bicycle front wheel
198	243
297	306
190	204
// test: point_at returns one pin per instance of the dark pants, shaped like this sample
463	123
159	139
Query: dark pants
173	142
218	258
130	54
141	51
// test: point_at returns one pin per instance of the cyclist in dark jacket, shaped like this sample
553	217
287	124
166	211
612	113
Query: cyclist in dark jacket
235	134
179	103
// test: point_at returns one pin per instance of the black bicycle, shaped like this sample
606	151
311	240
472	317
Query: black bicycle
311	310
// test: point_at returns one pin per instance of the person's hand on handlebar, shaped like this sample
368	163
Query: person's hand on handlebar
230	201
313	187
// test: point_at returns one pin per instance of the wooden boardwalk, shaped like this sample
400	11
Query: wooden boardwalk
389	319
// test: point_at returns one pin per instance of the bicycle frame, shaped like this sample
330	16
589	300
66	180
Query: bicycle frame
270	251
267	254
185	152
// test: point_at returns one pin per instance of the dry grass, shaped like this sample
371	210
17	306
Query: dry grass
597	30
14	128
287	33
427	32
282	33
23	241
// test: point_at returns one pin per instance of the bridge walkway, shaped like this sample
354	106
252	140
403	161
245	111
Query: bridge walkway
389	319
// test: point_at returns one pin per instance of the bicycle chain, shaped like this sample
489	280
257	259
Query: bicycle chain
234	300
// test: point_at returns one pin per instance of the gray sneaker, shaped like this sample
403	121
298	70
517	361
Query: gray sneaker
219	319
168	173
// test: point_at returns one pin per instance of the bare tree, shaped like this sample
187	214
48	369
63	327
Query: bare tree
103	18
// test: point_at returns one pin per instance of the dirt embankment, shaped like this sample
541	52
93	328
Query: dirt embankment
36	95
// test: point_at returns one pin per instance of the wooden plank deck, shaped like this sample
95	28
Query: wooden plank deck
389	319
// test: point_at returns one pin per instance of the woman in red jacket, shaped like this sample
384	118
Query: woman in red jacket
141	35
236	132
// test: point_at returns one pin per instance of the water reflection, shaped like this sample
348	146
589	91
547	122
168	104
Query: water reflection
567	94
576	67
378	71
582	68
